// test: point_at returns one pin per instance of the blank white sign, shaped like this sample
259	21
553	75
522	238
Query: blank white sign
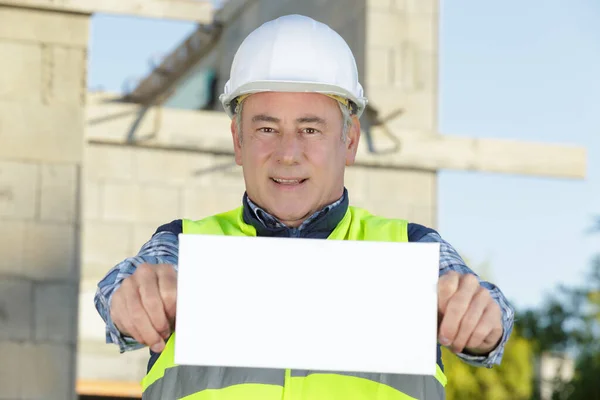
307	304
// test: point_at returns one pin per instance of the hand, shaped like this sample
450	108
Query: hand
143	307
469	318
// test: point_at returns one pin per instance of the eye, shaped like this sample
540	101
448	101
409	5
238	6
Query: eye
310	131
266	130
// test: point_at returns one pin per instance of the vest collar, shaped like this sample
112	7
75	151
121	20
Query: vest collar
319	225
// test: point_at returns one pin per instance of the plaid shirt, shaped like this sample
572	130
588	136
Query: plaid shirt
162	248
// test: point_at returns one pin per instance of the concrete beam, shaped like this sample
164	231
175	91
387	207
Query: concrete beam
159	84
183	10
208	131
514	157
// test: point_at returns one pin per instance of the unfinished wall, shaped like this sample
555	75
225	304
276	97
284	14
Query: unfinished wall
42	92
129	192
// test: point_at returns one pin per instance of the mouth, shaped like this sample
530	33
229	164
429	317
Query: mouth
289	181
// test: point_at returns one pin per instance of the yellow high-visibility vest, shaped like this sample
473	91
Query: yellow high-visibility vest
169	381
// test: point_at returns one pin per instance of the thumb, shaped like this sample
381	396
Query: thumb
158	347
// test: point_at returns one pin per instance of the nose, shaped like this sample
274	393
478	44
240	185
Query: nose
289	149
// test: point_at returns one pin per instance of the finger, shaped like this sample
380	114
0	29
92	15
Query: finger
133	332
471	320
487	332
118	308
167	286
146	334
152	301
457	307
122	313
447	286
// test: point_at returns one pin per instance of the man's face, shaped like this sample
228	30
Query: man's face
292	152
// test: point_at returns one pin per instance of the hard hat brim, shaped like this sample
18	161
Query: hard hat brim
290	87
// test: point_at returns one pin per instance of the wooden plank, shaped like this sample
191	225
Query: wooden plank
86	387
182	10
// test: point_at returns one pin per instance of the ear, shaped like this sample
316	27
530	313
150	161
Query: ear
235	136
352	141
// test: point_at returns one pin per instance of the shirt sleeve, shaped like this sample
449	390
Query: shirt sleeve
450	260
162	248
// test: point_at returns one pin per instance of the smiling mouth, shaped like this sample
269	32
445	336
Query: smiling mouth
288	182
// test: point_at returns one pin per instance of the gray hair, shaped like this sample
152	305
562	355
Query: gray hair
345	110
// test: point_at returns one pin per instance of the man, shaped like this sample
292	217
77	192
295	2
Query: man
295	102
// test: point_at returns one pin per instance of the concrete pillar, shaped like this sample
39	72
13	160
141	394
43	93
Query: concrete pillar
402	60
401	67
42	95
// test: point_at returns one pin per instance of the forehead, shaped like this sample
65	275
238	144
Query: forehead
281	105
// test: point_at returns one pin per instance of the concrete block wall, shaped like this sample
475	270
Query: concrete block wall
394	193
42	92
127	194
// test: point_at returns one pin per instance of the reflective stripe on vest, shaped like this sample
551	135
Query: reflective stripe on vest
193	382
166	380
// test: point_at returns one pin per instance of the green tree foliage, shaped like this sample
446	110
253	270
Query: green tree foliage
510	381
513	380
569	322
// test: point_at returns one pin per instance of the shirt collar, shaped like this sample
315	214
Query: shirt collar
267	225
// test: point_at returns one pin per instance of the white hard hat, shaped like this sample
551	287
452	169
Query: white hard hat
294	53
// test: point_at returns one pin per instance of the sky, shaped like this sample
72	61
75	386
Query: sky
512	69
